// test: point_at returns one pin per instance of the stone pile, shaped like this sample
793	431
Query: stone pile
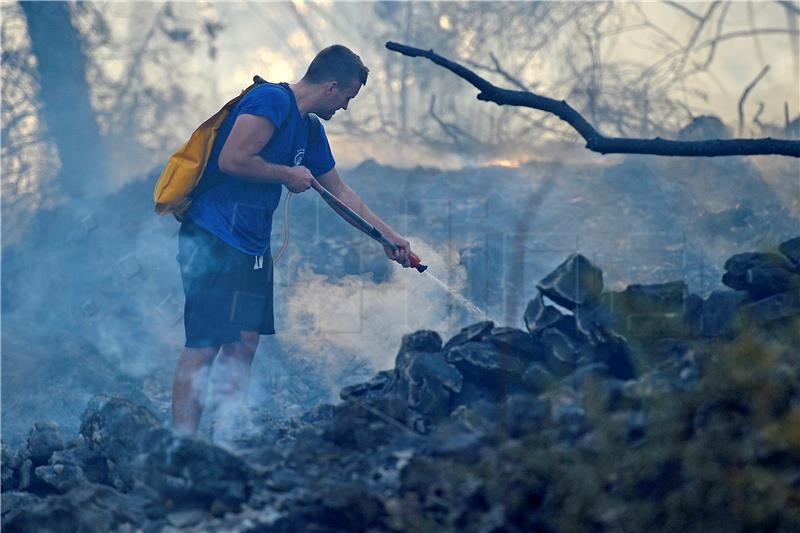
638	409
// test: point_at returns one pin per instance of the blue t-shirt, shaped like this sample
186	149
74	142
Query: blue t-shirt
240	212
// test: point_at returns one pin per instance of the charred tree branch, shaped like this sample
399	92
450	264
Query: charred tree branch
595	141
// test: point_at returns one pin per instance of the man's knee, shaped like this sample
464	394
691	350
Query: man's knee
245	349
250	341
197	357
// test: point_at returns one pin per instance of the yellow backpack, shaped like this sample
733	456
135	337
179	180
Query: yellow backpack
186	166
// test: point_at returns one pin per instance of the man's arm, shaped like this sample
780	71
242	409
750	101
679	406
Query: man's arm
334	183
240	156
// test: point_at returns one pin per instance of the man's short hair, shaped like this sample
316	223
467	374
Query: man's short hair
338	63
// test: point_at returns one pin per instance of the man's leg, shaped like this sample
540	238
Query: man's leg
234	367
189	387
231	381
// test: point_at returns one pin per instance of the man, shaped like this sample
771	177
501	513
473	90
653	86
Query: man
268	142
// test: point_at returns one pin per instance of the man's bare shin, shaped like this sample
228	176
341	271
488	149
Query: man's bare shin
234	367
189	387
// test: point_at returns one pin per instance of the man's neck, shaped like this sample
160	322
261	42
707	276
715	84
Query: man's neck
303	95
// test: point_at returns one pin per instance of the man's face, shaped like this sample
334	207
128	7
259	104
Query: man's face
337	97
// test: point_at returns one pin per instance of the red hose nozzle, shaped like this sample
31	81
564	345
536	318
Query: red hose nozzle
415	262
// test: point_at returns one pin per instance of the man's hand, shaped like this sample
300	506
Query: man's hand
403	251
298	179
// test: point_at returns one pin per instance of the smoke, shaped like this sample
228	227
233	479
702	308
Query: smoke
328	321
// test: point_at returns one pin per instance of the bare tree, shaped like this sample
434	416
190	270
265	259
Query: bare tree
596	141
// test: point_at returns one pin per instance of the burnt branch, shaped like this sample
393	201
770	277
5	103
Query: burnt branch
595	141
746	93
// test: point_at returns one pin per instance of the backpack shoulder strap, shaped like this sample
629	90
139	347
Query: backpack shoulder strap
314	128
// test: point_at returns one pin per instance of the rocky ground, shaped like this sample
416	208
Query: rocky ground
643	409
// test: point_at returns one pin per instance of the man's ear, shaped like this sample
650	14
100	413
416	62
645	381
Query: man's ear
330	87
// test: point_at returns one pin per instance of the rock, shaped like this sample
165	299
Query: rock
94	466
539	316
760	274
194	473
562	349
117	428
574	282
25	475
453	439
791	249
61	477
14	500
368	389
421	341
583	373
612	350
43	440
364	425
655	299
326	411
516	342
342	507
775	307
85	508
8	475
537	378
425	381
187	518
719	313
567	411
475	418
648	311
523	414
473	333
483	361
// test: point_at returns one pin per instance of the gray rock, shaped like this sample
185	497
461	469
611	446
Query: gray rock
484	360
43	440
719	313
25	475
522	414
775	307
372	387
187	518
574	282
453	439
421	341
84	508
117	428
655	299
516	342
14	500
194	473
760	274
538	316
612	350
361	425
791	249
648	311
8	466
60	477
563	351
537	378
584	373
472	333
473	418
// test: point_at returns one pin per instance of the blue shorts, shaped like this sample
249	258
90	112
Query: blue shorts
227	291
